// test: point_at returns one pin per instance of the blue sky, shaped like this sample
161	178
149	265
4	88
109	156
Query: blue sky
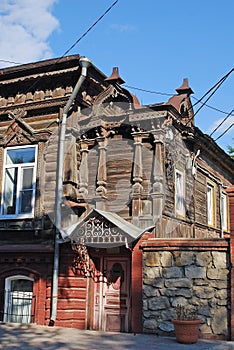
155	44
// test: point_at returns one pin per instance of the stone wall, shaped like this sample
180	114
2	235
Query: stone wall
192	273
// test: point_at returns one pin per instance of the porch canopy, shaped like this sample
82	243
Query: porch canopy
103	229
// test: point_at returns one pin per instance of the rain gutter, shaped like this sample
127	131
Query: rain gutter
84	63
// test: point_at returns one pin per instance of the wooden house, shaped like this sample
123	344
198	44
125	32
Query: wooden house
143	219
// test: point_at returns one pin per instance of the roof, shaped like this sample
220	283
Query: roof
103	229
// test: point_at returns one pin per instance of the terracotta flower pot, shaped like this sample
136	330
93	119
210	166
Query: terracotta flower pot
186	331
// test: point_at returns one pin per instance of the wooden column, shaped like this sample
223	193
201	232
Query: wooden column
84	171
137	179
157	194
101	174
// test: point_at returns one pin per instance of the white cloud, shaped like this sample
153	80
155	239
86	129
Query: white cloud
227	123
123	28
25	26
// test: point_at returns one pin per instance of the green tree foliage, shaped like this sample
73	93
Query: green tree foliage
231	150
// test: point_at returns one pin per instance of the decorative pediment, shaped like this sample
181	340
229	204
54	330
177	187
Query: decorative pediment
110	109
104	230
19	132
113	101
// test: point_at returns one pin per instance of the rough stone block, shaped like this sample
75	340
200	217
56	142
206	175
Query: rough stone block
217	274
178	283
166	326
152	259
204	259
150	291
150	324
204	292
158	303
184	258
166	259
152	272
195	272
173	272
219	321
220	260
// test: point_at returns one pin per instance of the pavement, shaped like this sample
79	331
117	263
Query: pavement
31	337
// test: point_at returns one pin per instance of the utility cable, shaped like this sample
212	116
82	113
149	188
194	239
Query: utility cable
219	82
221	123
211	107
89	29
73	45
167	94
225	131
216	87
6	61
148	91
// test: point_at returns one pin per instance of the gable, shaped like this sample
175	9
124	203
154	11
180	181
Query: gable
104	230
19	132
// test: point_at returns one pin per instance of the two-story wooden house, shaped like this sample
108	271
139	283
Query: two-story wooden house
141	222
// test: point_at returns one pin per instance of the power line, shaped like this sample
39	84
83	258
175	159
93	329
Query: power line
6	61
168	94
148	91
90	28
225	131
73	45
221	122
211	107
215	88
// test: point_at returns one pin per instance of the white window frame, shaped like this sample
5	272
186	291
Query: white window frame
211	207
179	193
20	166
224	211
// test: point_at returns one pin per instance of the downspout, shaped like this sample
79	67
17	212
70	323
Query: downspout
84	63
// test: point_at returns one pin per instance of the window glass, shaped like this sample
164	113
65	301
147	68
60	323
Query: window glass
179	193
18	299
21	155
10	188
224	211
19	181
210	205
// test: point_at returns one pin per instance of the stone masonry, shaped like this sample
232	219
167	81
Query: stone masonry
194	276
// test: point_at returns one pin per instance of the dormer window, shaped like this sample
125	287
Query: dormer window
19	182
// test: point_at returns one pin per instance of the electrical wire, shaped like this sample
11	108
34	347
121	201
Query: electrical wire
168	94
72	46
89	29
225	131
6	61
215	88
148	91
212	107
221	123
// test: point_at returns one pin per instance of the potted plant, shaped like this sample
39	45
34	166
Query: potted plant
186	325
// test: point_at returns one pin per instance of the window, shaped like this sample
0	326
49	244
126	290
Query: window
18	299
19	182
210	205
179	194
224	212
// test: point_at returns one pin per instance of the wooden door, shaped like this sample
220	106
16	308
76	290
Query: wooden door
112	297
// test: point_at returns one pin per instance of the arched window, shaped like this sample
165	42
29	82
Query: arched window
18	299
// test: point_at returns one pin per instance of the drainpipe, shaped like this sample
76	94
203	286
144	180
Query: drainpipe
84	63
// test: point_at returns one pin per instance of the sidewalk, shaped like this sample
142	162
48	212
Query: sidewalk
31	337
